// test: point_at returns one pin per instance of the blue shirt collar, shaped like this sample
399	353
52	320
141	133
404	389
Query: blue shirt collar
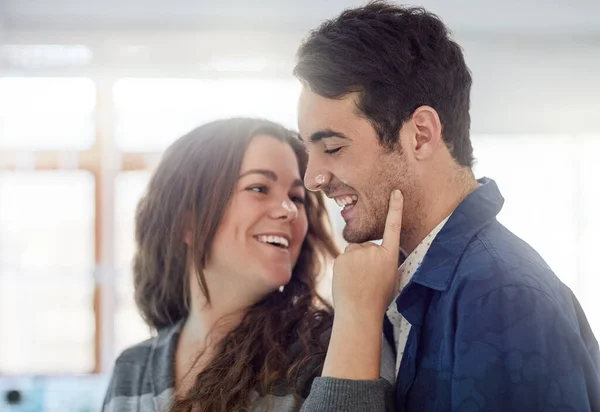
477	210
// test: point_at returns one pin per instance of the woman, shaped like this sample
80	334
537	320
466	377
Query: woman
229	246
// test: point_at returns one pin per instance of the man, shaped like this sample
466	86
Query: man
478	320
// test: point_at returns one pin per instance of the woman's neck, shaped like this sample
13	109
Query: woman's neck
230	299
206	325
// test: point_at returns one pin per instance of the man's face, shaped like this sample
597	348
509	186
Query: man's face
347	163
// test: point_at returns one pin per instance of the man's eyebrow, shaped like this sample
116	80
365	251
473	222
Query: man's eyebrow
326	134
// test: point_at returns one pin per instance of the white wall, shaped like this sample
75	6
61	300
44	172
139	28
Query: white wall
527	83
534	84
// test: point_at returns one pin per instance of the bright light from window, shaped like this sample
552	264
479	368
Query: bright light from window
46	272
536	175
152	113
129	327
47	113
589	215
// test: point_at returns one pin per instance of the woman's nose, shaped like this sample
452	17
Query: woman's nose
286	210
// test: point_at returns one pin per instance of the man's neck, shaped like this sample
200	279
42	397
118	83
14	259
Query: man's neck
439	203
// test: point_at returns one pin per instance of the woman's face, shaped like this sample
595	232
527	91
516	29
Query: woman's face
259	239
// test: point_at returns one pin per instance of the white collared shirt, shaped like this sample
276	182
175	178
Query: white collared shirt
405	272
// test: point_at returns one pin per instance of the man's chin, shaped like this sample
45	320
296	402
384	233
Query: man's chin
357	235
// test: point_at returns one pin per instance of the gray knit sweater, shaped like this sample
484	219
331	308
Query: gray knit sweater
143	380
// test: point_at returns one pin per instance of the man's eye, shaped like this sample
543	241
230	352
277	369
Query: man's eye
332	151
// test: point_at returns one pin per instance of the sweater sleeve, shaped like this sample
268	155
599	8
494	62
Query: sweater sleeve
329	394
332	394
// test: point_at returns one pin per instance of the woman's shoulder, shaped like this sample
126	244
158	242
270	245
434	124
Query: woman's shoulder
143	372
129	382
136	354
139	354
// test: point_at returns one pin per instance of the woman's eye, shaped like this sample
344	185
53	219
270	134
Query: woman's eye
258	189
298	199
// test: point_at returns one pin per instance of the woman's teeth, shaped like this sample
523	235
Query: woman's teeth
274	240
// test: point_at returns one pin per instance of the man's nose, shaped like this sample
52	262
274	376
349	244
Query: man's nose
315	177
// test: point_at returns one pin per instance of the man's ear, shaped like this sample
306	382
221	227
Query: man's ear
428	132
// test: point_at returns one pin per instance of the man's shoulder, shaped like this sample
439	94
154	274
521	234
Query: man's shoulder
496	258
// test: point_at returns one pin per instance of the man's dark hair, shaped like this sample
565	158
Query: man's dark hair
397	58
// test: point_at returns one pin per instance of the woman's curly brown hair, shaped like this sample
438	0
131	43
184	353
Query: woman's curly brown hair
196	177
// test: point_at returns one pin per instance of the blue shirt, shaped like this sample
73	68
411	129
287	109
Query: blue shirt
493	328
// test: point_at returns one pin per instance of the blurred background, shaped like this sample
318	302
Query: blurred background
91	92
